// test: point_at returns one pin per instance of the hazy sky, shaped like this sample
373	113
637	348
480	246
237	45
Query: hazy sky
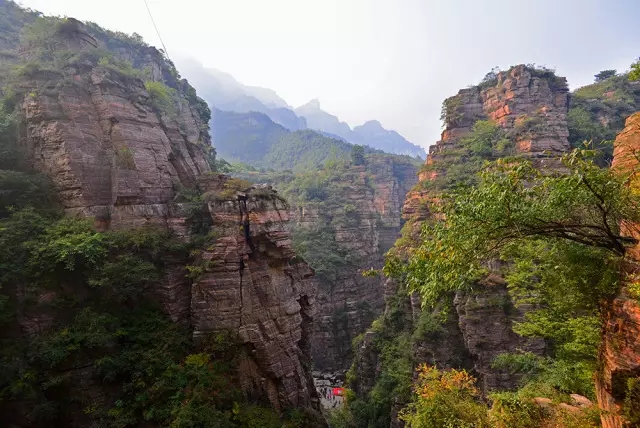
391	60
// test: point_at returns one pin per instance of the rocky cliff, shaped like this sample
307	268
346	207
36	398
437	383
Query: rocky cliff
125	141
529	106
93	128
253	284
618	379
363	229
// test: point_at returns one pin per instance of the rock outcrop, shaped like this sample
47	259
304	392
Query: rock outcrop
254	285
115	154
93	129
530	105
347	304
620	349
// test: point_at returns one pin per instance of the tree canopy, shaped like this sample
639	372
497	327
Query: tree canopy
514	201
604	74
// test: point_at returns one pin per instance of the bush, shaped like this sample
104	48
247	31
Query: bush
445	399
162	98
120	66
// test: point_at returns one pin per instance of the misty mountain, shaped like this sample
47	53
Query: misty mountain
222	91
253	138
373	134
370	133
320	120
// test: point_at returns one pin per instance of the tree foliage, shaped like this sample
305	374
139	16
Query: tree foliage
554	235
357	155
445	399
634	74
604	74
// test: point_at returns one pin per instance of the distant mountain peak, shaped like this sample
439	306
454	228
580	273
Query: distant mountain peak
372	124
313	104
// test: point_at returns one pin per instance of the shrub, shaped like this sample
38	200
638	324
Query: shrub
120	66
445	399
162	98
125	158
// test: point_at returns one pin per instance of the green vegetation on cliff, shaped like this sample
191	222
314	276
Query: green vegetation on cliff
496	219
598	111
254	139
557	235
459	166
84	339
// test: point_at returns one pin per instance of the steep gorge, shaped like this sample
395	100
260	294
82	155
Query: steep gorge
361	226
344	218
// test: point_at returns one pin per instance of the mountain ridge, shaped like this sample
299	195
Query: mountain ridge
224	92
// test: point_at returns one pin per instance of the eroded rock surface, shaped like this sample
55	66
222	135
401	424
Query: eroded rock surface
531	107
347	305
620	349
113	155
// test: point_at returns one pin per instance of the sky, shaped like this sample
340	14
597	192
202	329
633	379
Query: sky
390	60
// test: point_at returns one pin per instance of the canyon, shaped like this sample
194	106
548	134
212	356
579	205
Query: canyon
275	275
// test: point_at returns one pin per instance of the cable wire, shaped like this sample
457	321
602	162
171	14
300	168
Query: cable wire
156	27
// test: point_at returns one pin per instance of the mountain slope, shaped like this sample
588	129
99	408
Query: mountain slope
370	133
224	92
253	138
131	311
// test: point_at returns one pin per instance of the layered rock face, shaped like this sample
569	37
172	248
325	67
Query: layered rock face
113	155
620	349
254	285
110	155
530	105
348	304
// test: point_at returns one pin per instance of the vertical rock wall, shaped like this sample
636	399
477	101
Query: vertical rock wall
531	106
113	156
620	349
347	305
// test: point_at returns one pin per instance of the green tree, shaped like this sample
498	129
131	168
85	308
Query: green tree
634	74
357	155
604	75
557	237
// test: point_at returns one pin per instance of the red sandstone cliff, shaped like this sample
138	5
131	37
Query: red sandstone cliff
112	155
530	105
620	350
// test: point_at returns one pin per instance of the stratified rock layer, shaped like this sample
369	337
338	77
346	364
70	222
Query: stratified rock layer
620	349
531	107
254	285
347	305
113	156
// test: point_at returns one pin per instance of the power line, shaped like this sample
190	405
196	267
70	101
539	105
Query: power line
156	27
